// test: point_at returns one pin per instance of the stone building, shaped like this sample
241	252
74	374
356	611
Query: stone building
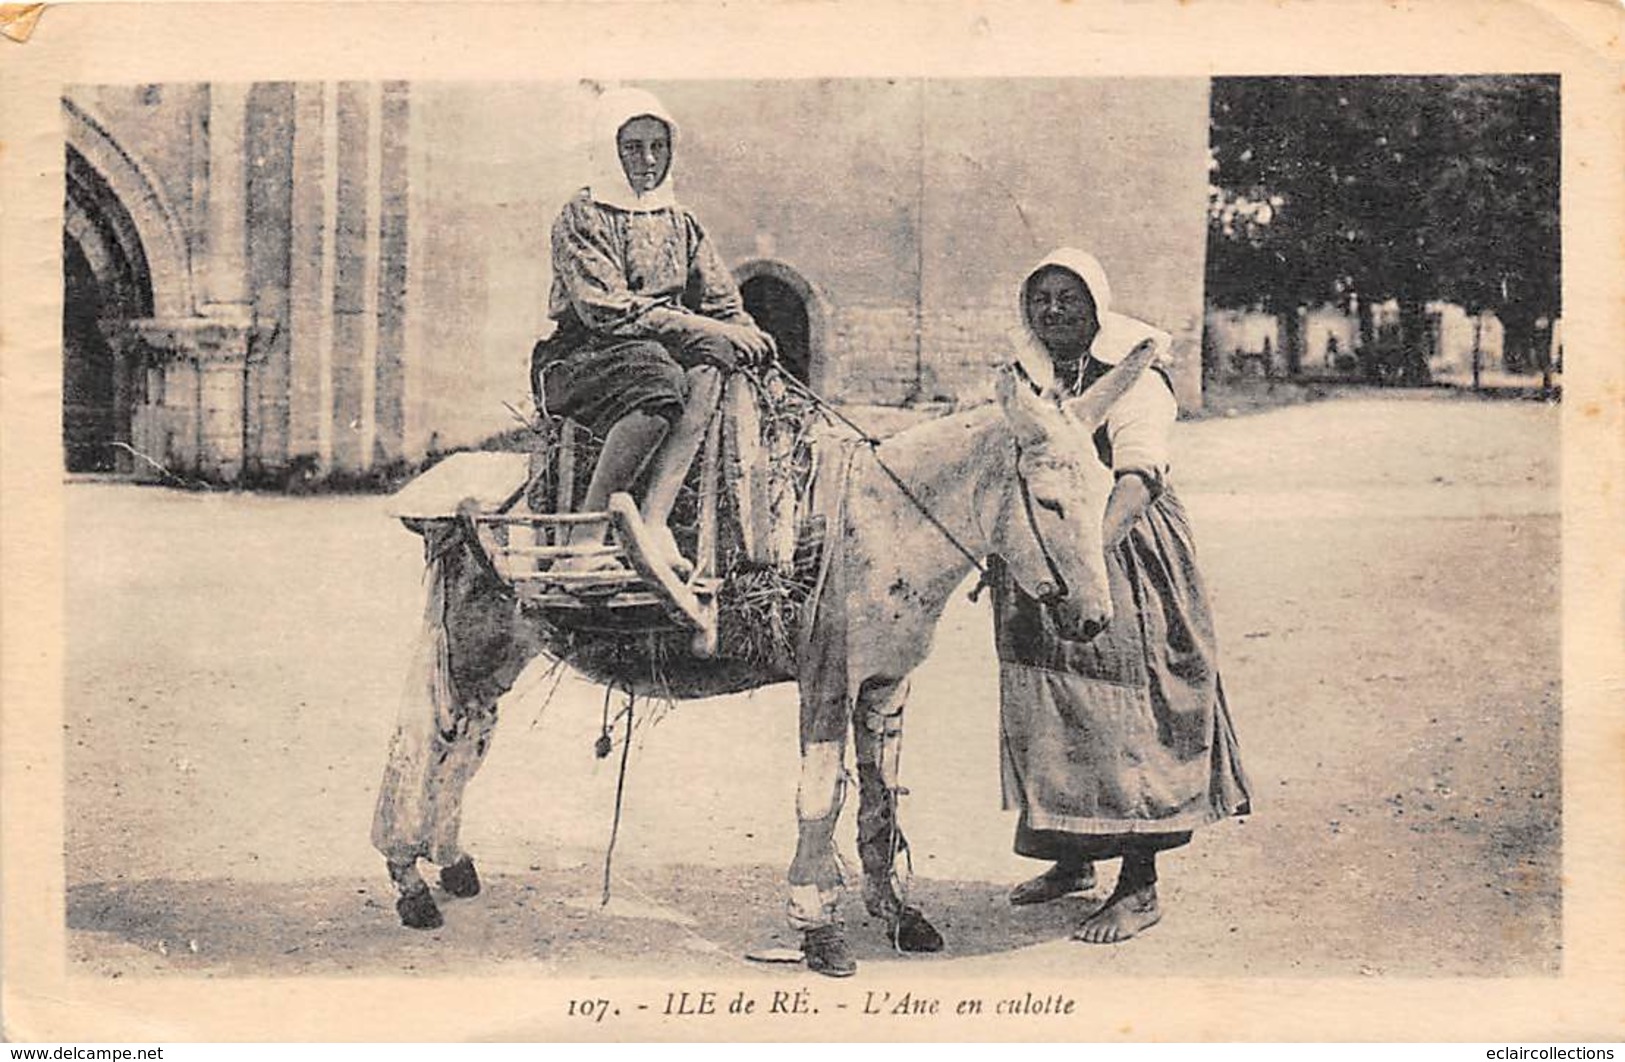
323	279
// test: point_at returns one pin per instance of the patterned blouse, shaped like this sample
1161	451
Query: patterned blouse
637	275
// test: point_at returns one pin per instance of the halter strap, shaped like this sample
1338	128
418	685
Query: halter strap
1061	590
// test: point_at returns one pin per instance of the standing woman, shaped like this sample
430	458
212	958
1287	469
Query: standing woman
648	317
1119	747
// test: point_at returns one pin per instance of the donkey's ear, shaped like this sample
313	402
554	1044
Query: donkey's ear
1032	418
1090	408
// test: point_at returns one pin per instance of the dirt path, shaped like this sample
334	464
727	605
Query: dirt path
1386	586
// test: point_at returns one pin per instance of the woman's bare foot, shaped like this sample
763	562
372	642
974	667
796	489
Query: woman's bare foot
670	555
1125	915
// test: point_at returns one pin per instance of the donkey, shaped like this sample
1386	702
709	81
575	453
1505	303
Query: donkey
1020	480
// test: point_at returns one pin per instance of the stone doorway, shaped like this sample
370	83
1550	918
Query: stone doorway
782	314
791	311
106	286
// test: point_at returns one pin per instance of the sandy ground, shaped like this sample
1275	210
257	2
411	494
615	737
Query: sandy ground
1386	584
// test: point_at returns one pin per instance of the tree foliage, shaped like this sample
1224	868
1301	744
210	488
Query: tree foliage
1375	188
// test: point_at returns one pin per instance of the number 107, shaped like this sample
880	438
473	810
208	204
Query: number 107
589	1008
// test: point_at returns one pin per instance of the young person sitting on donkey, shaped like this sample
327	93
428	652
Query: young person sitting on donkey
648	321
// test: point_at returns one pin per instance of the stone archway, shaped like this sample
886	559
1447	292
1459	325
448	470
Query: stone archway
107	285
126	266
147	219
150	372
792	311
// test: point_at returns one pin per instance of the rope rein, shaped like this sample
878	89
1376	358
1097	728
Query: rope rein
620	781
874	449
1059	588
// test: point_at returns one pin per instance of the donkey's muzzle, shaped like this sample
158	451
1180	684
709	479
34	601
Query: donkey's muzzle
1075	622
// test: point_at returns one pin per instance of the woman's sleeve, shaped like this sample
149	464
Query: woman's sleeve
1139	425
596	285
710	277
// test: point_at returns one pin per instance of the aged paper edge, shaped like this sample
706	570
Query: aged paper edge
113	43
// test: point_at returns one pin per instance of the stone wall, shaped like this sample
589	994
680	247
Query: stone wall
377	253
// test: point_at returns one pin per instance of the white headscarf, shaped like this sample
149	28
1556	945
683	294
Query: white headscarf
1118	333
608	184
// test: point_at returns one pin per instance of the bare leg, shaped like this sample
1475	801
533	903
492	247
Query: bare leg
628	449
671	463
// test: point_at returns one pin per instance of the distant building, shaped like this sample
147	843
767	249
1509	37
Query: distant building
329	278
1455	333
1245	342
1249	341
1330	338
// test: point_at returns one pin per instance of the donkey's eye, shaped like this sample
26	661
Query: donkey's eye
1052	505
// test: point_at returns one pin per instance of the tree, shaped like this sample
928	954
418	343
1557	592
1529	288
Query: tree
1267	245
1371	188
1502	249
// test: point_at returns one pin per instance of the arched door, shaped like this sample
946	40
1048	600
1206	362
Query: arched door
90	417
105	283
781	312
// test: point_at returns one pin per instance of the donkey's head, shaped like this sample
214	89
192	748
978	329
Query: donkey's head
1051	539
1062	494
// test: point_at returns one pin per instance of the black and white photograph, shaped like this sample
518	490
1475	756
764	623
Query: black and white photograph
908	552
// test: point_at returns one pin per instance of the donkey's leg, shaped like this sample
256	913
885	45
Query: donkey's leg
815	872
448	781
420	810
400	823
490	643
877	728
413	903
825	720
443	728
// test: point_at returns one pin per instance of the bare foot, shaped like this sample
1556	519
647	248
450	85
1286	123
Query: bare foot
1125	915
666	543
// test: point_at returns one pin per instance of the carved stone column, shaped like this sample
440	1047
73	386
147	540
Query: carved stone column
191	422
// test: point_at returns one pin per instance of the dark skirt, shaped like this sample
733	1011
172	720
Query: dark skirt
599	380
596	380
1059	846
